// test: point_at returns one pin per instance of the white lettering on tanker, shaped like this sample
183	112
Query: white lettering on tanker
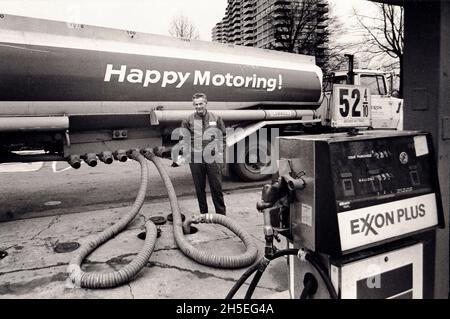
177	79
369	225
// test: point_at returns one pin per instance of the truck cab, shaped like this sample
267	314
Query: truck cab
387	110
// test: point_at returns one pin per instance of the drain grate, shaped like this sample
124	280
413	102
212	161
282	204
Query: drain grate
170	217
3	254
66	247
158	220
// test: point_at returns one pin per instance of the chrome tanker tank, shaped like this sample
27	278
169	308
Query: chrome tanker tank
56	68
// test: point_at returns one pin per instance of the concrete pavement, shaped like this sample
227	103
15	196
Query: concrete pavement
32	268
55	188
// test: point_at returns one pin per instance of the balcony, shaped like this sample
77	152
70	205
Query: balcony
249	26
248	11
248	3
248	38
322	9
249	31
282	2
248	16
322	18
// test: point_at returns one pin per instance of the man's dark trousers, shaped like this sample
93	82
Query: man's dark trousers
199	172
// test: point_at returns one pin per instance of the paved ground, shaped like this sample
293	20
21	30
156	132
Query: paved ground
45	189
32	269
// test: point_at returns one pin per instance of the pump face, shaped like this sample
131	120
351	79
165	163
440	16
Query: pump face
361	191
369	210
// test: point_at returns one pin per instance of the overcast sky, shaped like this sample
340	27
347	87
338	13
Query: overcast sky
152	16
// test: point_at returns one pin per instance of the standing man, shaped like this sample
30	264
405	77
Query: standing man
207	143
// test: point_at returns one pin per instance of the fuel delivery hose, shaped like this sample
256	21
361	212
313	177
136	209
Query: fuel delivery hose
229	262
115	278
261	266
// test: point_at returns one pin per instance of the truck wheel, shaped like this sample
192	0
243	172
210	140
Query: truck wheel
250	170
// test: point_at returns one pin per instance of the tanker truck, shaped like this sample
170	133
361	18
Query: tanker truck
78	93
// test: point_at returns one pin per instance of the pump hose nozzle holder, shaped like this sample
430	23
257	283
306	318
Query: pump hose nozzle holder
294	184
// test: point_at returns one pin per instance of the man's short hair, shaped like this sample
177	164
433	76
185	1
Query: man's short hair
199	96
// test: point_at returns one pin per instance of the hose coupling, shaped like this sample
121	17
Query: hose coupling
263	264
261	205
75	161
106	157
147	152
120	155
133	153
268	230
75	274
294	184
302	254
207	218
196	219
90	159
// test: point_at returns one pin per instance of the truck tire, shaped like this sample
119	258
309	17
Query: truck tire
250	171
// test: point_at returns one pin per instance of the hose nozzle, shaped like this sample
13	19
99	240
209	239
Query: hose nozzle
106	157
148	152
294	184
75	161
120	155
133	153
90	159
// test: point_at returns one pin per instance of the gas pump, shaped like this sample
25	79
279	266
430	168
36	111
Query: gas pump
359	208
364	207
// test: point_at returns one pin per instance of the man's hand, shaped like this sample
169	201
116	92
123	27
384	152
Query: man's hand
180	160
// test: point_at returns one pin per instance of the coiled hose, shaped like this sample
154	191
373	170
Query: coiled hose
228	262
115	278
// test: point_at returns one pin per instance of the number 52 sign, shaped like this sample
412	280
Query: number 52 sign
351	106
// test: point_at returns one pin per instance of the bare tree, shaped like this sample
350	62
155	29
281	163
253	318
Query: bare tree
383	39
182	27
291	23
301	26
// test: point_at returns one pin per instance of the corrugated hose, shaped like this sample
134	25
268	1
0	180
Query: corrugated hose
111	279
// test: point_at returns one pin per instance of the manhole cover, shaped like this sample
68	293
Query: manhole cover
66	247
193	230
3	254
143	235
158	220
170	217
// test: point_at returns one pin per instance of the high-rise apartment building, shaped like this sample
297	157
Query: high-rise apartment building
260	23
